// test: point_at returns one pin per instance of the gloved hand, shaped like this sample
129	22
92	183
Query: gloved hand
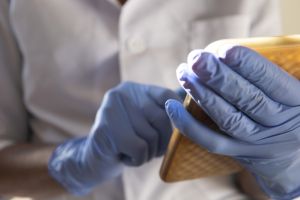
256	105
130	128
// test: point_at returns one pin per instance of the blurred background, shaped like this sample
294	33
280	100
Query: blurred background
290	16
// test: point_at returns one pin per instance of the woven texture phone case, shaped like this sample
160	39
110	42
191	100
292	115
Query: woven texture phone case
185	160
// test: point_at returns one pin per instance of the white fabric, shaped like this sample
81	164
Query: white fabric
59	57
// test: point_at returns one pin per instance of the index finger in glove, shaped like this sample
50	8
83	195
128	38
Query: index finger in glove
218	143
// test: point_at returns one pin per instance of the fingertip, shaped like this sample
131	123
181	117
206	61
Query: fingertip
205	66
193	56
232	55
186	77
223	50
173	107
171	104
181	73
167	105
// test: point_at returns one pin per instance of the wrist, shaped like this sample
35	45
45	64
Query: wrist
276	191
64	156
76	167
277	177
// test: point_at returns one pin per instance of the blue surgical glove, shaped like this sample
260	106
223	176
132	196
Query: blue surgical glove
257	107
181	93
130	128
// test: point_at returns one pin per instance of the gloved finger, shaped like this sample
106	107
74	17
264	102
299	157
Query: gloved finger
237	90
196	131
284	132
163	125
160	95
142	127
226	116
159	120
180	93
133	149
272	80
277	134
218	143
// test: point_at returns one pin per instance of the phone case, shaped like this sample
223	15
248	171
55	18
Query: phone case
185	160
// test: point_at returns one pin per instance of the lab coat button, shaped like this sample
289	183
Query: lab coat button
136	45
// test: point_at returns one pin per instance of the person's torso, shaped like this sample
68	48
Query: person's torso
74	51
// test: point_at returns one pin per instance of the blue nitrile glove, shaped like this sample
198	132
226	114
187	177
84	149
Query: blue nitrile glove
130	128
256	105
180	93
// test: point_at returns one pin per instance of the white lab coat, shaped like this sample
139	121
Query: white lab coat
59	57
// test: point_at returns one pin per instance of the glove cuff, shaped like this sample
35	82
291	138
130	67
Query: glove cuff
74	165
59	165
274	192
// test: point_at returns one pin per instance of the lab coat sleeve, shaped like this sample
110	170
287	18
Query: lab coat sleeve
266	20
13	117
